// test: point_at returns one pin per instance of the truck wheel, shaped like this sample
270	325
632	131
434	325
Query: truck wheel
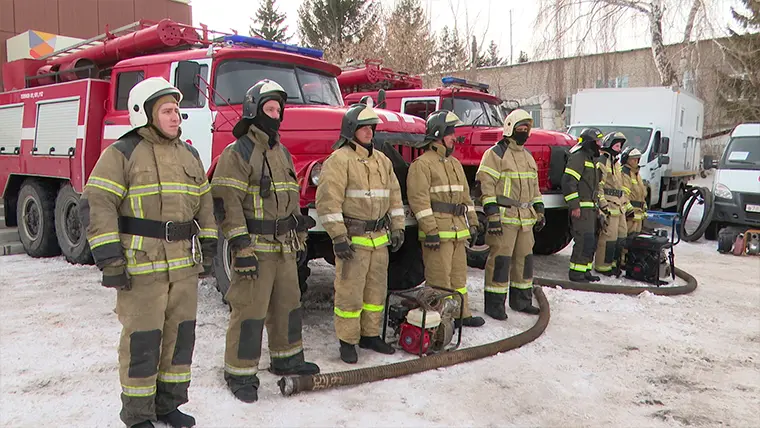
555	235
405	268
35	216
72	236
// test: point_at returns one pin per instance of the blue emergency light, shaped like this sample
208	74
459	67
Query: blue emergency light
254	41
449	80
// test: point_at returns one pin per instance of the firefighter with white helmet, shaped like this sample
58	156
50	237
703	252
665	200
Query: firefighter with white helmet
610	196
634	188
508	177
439	196
150	225
256	196
359	204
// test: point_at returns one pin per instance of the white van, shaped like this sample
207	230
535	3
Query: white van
736	186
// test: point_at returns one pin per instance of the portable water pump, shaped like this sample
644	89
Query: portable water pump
647	259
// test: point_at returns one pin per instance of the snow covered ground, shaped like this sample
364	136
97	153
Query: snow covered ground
604	360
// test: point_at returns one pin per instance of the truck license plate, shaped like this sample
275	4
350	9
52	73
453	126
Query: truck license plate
753	208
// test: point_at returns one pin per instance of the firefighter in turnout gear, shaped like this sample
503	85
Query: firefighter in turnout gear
611	199
635	190
359	202
579	185
150	225
512	202
256	197
440	199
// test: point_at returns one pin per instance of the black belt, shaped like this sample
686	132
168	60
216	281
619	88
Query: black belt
167	230
271	227
447	208
613	192
637	204
366	225
509	202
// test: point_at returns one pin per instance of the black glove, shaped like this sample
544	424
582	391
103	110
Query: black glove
304	223
343	248
246	263
629	214
208	249
475	232
115	276
208	268
494	227
432	242
301	257
397	239
540	223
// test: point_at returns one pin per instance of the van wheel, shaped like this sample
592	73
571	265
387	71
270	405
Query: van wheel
35	216
72	235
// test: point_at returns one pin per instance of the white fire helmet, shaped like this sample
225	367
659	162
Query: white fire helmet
143	93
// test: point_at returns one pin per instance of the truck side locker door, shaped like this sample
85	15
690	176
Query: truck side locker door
197	117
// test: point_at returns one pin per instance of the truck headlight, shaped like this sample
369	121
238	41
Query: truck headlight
316	171
722	191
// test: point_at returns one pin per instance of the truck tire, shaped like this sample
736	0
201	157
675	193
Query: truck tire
405	268
35	214
555	235
72	236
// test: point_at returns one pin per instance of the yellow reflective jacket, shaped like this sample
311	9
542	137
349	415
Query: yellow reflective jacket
610	190
581	179
237	191
436	183
361	185
146	176
635	192
508	170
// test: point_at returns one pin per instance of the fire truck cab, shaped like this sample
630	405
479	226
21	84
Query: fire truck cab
483	116
62	110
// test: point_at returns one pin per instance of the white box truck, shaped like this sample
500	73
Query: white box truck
665	124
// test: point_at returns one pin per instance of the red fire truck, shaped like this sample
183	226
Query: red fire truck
483	116
60	111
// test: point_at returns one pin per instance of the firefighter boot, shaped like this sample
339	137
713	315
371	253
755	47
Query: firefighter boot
304	369
177	419
348	353
591	277
576	276
243	387
494	305
470	322
376	344
144	424
521	300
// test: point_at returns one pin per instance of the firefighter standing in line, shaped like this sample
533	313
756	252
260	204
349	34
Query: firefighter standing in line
358	201
611	205
150	225
635	190
256	191
440	199
579	186
512	201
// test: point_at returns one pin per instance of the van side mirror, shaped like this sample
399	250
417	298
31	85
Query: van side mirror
381	98
664	145
709	162
187	80
664	159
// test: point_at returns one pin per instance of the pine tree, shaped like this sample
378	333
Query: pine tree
523	57
267	24
492	56
334	25
452	52
409	44
739	83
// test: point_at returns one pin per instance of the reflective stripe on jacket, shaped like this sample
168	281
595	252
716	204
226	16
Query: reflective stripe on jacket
580	180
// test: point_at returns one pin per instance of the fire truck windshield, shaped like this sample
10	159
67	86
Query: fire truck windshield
477	113
234	77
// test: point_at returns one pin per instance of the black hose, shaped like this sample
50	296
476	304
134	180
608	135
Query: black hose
685	204
595	287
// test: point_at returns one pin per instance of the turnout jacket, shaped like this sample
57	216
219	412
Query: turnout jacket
635	192
360	184
610	190
244	168
147	176
509	171
436	184
581	179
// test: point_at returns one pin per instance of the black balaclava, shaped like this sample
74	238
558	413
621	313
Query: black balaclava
267	124
520	137
448	131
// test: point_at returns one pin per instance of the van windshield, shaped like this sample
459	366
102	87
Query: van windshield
635	137
477	113
234	77
742	153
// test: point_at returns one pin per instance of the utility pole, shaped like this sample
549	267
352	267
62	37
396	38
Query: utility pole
510	38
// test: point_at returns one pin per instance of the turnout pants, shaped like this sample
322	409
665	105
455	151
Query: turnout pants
610	244
361	285
509	268
447	268
272	299
583	232
634	226
156	345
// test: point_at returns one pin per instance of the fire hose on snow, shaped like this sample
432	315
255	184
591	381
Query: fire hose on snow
290	385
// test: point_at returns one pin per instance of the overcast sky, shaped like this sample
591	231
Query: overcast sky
488	20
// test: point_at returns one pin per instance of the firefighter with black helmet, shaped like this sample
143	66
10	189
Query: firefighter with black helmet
359	204
439	197
579	186
150	225
508	178
256	196
635	190
611	205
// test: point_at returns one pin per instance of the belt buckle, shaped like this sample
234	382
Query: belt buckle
167	226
